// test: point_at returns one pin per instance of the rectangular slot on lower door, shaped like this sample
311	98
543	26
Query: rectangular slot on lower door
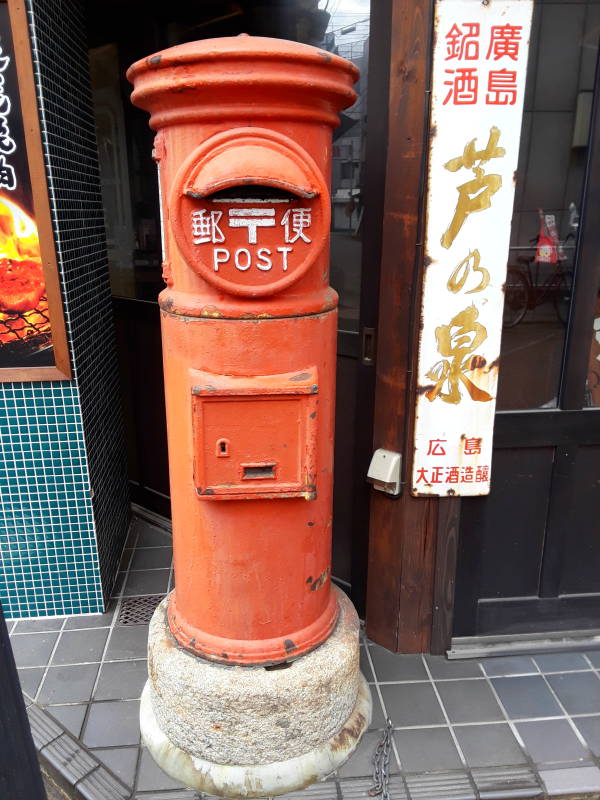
260	471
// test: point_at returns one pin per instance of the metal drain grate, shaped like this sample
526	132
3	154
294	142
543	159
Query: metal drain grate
138	610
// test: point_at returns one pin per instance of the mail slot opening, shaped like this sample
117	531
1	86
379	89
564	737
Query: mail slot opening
258	471
252	194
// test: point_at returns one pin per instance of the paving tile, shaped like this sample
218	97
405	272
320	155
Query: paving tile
70	717
360	762
508	665
78	647
118	585
503	783
43	729
589	727
365	666
152	558
101	785
33	649
30	679
80	621
571	780
68	757
393	667
412	704
427	750
150	581
378	717
39	625
68	684
579	692
552	740
121	680
322	790
489	745
469	701
125	559
594	657
358	789
115	722
440	786
526	696
120	760
561	662
149	536
128	641
441	668
151	776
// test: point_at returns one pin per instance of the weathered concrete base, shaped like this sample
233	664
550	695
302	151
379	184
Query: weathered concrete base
253	731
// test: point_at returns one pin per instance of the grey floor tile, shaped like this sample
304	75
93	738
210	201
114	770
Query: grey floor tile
121	680
552	740
561	662
412	704
151	776
68	684
120	760
489	745
101	785
358	789
526	696
440	786
80	621
149	536
152	558
506	783
151	581
469	701
30	679
128	641
360	762
392	667
365	666
68	757
378	717
70	717
441	668
508	665
594	657
112	723
427	750
125	559
589	727
569	781
118	585
78	647
39	625
579	692
33	649
43	728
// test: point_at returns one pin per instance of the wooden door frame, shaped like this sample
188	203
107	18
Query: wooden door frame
411	540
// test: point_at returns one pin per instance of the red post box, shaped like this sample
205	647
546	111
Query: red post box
243	148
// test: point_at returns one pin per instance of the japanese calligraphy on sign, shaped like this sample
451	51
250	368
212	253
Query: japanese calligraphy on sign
479	66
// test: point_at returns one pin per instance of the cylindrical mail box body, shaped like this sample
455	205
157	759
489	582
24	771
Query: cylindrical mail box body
243	148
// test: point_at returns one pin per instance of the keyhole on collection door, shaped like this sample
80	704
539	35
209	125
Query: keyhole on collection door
222	448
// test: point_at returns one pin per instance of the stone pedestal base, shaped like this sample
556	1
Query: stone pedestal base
254	731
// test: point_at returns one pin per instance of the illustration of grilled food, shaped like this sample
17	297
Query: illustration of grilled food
21	284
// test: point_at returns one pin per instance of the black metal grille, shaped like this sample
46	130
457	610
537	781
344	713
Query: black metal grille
138	610
19	325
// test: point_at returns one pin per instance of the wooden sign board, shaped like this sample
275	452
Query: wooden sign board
33	342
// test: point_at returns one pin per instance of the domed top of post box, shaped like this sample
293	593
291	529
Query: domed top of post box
251	76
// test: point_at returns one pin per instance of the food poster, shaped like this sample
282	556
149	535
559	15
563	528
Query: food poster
25	325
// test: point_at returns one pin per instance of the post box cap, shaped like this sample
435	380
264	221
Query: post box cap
217	78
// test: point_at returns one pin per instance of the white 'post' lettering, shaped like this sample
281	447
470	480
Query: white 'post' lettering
284	251
220	256
242	268
265	254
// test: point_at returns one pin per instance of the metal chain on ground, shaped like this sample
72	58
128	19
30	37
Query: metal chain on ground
381	764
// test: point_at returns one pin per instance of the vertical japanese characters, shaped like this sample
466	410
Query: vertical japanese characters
478	84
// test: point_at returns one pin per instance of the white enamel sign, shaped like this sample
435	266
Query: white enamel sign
479	66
